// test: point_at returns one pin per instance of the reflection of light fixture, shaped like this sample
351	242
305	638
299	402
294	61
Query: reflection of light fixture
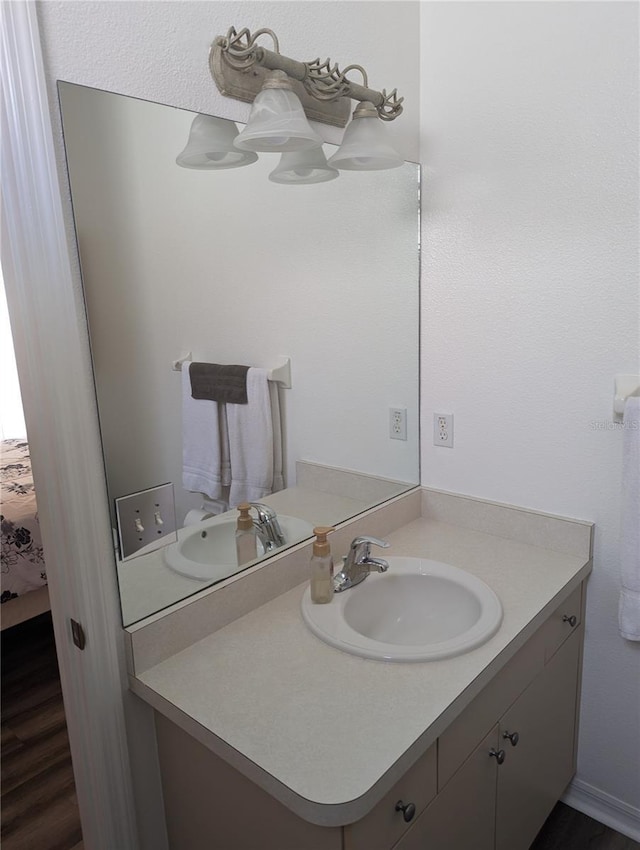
277	121
210	145
284	90
303	167
365	146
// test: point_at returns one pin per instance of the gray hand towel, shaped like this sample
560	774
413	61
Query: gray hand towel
214	382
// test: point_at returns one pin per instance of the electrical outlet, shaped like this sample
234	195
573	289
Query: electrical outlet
398	423
443	429
146	520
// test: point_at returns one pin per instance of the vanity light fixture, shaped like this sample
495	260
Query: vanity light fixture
211	145
365	146
277	121
283	91
303	167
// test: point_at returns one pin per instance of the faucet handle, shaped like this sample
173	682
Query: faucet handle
264	511
365	538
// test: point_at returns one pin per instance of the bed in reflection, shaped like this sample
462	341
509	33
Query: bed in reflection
24	577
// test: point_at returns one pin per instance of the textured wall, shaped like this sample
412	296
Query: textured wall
530	293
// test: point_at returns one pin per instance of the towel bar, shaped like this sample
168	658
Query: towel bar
624	387
281	374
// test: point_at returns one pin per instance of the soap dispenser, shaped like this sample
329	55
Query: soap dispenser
246	536
321	567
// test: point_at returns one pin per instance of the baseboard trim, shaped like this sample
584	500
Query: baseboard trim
604	808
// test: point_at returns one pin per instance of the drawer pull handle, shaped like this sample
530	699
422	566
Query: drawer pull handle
408	810
514	737
499	755
572	620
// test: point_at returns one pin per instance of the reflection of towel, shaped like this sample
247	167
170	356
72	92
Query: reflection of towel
255	441
278	479
205	460
629	609
224	384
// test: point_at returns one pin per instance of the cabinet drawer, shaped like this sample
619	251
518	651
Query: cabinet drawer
563	622
383	826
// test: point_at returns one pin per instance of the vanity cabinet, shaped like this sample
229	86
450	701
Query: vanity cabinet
488	782
503	792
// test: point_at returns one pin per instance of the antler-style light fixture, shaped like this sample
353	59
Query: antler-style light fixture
285	92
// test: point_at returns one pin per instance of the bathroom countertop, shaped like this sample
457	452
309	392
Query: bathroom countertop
328	733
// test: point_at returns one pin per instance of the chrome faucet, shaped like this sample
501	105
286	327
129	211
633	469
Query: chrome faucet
358	563
268	527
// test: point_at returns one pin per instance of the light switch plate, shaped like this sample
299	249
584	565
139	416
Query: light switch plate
146	520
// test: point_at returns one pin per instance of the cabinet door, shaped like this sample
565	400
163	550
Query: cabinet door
537	770
462	816
384	825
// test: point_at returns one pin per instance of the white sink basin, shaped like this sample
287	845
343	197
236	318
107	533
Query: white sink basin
207	551
420	610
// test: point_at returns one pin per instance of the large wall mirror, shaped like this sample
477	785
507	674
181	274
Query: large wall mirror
237	269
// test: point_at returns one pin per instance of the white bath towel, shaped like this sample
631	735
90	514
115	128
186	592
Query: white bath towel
205	452
629	608
255	442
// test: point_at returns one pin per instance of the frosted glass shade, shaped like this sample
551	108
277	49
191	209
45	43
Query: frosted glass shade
308	166
365	147
277	123
210	145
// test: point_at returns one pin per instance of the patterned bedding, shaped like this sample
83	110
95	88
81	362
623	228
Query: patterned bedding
23	567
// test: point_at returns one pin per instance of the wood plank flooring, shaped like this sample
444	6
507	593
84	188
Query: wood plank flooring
39	810
38	799
567	829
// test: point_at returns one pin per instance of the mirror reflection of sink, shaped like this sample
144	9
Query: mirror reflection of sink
420	610
207	551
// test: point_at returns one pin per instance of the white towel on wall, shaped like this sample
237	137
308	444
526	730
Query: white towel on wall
205	454
629	608
255	441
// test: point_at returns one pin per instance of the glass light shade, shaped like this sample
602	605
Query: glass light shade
277	123
210	145
308	166
365	147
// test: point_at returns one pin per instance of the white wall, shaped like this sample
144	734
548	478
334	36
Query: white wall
529	117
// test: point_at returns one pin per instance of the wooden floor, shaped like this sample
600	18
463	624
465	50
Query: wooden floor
38	799
39	810
567	829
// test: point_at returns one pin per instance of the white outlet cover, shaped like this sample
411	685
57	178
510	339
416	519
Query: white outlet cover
398	423
443	430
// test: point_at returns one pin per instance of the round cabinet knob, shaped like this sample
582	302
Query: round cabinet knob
408	810
572	620
514	737
499	755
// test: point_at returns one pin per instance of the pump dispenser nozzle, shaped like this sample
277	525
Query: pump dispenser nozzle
245	522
